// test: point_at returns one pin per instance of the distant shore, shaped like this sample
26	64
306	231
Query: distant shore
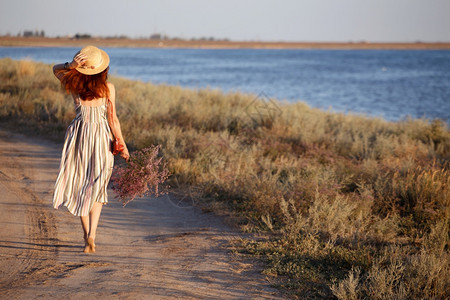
207	44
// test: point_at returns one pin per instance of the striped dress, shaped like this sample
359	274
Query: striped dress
86	162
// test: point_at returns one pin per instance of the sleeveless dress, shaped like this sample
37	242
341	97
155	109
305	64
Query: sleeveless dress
86	161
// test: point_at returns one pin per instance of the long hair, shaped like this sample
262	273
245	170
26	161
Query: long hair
87	86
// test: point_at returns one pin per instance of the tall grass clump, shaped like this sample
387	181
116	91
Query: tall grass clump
342	206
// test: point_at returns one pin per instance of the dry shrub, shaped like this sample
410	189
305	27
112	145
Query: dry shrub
25	68
384	229
54	106
348	289
385	282
395	274
435	134
437	241
331	216
428	276
420	193
183	167
295	223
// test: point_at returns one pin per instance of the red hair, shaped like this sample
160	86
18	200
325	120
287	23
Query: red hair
89	87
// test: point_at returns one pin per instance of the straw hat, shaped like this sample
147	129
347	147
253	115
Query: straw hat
97	60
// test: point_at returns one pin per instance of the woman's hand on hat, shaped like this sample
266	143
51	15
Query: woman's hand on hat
79	61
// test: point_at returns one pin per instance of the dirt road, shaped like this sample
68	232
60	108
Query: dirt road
151	249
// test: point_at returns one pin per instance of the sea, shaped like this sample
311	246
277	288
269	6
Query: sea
391	84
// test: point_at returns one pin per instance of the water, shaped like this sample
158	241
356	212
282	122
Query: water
392	84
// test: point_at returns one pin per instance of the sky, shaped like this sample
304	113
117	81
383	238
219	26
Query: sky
265	20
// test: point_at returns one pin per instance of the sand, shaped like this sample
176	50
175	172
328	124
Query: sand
154	248
6	41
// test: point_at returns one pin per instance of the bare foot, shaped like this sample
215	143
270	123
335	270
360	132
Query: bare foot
86	245
90	245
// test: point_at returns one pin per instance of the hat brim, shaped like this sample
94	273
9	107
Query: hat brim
97	69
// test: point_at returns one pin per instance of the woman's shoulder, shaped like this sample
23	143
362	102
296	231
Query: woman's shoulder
112	90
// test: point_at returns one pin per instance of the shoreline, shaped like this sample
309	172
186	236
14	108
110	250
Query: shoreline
204	44
368	114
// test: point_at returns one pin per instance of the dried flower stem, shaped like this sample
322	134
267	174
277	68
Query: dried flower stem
141	176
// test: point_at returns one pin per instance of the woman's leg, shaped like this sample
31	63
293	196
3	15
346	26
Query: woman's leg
90	224
94	216
85	224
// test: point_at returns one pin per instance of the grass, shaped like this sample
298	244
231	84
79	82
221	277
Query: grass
342	206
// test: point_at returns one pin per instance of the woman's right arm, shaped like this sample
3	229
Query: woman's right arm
116	124
60	69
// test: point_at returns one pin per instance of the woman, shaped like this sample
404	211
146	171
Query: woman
87	160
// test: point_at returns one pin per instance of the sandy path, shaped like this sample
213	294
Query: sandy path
151	249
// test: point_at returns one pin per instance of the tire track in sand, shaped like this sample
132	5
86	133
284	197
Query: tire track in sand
32	248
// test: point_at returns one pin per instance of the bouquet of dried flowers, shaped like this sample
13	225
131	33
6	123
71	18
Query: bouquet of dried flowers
142	175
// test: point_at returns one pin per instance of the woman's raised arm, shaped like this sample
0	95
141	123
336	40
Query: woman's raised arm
60	69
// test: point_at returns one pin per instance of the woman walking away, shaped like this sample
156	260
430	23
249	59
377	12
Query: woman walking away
87	160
